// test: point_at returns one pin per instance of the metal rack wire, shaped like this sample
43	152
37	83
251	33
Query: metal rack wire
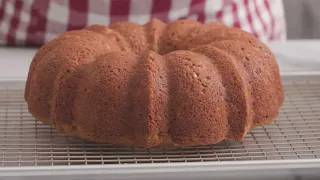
294	135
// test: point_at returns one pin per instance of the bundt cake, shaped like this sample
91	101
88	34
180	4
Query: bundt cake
157	84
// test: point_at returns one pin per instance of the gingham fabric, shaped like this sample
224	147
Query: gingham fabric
34	22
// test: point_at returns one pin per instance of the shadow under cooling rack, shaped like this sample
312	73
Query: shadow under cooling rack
294	135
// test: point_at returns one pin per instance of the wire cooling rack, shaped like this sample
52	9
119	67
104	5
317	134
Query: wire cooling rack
294	135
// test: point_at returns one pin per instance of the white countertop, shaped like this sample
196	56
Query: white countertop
15	62
292	56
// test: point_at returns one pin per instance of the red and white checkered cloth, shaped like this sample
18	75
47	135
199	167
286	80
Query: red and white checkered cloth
34	22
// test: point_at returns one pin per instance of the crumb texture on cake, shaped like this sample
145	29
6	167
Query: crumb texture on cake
177	84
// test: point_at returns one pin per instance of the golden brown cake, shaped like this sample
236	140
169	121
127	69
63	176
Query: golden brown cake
177	84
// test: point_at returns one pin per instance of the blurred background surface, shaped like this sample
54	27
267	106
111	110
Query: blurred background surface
302	18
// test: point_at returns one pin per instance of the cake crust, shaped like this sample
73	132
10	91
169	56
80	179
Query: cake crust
177	84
